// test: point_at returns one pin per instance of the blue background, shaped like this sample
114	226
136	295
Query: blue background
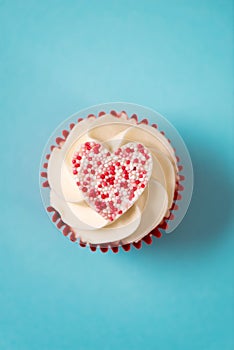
58	57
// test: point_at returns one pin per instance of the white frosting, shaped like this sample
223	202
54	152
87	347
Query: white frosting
147	212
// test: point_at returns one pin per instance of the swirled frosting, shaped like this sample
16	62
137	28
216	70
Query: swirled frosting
145	213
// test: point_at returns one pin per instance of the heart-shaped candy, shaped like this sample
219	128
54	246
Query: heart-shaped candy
111	183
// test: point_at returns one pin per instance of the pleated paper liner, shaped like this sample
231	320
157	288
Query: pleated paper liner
68	231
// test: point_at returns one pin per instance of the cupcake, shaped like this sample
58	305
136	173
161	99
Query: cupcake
112	181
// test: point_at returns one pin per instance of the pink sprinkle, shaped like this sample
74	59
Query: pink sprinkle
96	150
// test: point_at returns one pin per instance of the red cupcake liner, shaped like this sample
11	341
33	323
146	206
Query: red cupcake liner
148	239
